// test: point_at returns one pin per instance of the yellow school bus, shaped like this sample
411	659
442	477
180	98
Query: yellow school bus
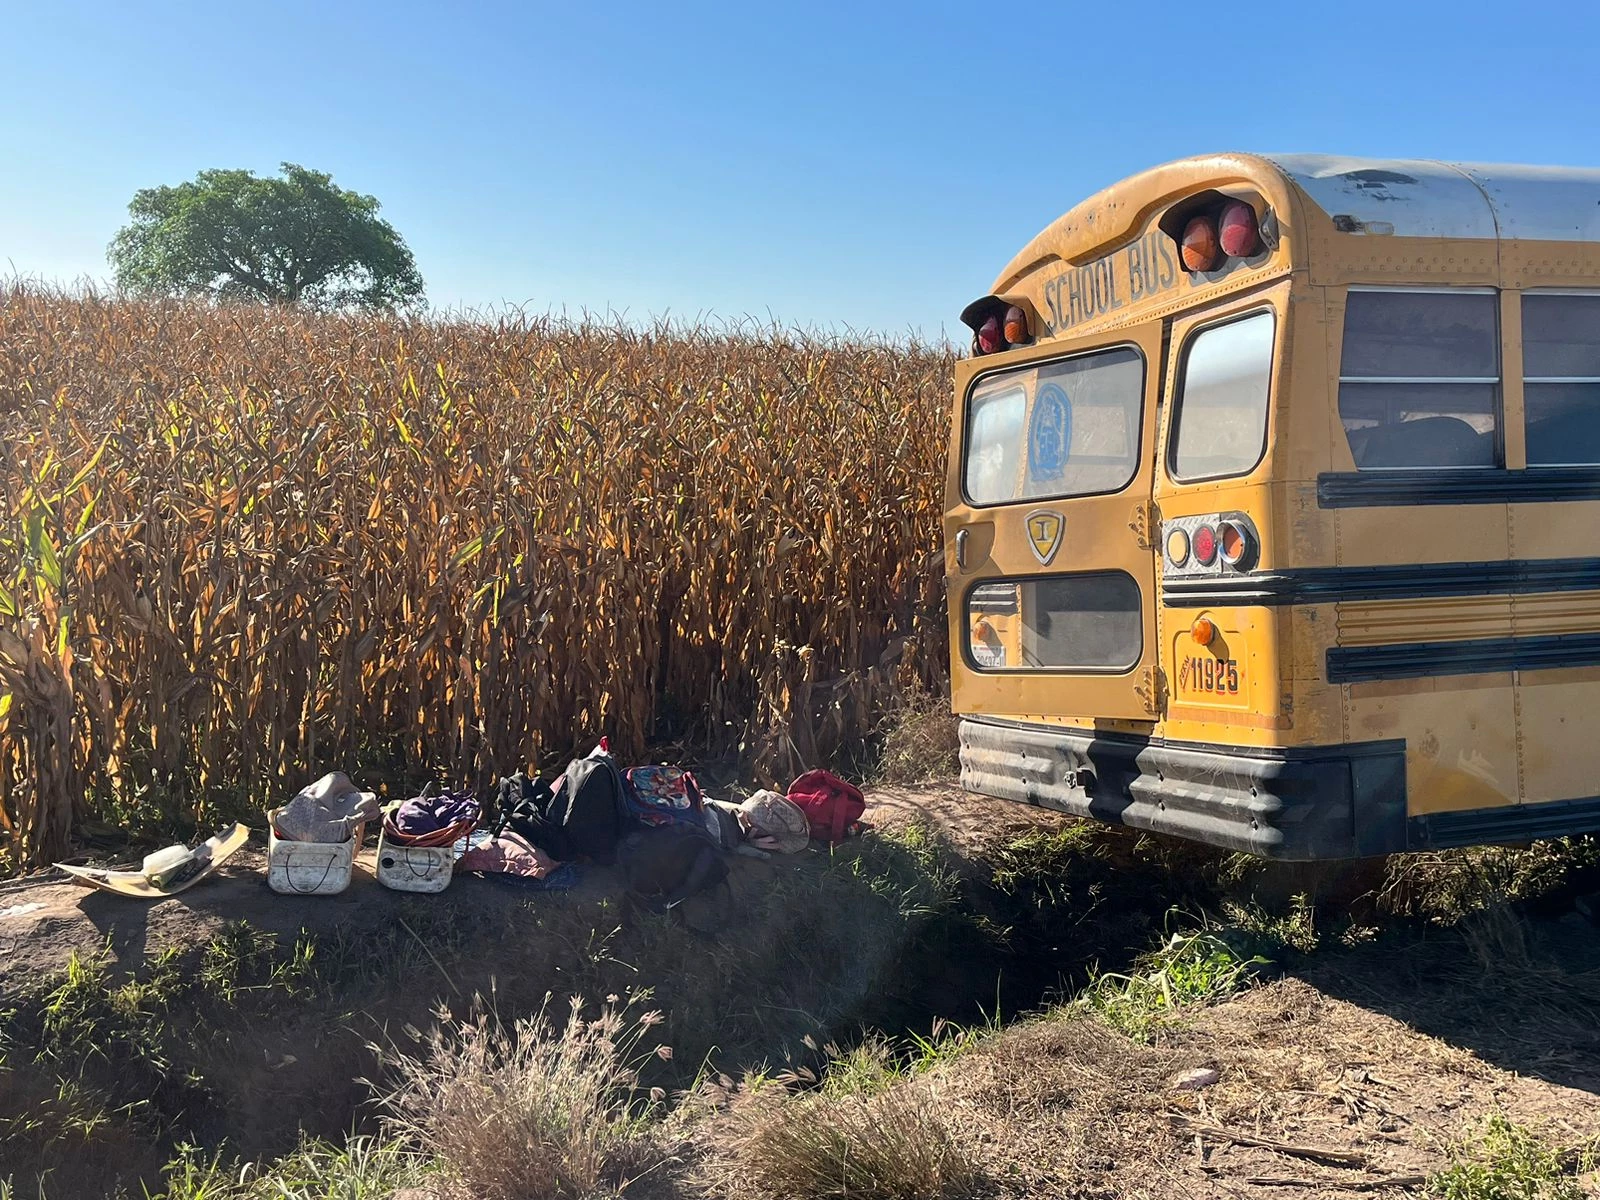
1273	508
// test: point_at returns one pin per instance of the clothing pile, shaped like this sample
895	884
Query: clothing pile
331	810
431	819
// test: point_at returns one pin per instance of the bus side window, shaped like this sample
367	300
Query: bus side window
1561	377
1419	378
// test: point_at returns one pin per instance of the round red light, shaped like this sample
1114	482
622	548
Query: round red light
1239	231
1204	545
1199	244
990	336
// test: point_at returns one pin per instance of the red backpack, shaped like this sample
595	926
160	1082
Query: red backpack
831	805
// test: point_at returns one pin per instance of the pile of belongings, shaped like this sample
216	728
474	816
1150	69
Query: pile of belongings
332	809
656	824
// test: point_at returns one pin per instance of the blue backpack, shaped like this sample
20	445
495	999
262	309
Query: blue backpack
660	796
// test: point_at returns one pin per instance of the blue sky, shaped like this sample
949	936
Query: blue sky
862	165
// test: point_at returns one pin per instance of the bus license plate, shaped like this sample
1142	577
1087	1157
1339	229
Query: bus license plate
1208	675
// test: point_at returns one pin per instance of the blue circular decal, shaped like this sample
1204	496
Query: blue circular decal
1049	434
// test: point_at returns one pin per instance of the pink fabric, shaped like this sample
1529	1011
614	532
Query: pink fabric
509	854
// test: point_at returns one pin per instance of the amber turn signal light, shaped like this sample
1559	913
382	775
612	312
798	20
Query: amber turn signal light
1200	246
1016	326
1203	631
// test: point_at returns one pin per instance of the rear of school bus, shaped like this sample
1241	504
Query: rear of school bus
1272	508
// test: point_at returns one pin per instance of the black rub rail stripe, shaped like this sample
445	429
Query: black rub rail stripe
1325	585
1413	660
1389	489
1514	822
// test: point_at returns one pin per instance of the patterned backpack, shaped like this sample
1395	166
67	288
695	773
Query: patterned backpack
665	796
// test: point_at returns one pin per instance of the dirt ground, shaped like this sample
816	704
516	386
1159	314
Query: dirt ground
1316	1096
1351	1075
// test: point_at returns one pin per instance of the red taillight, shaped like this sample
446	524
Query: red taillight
991	338
1016	327
1239	231
1199	244
1204	545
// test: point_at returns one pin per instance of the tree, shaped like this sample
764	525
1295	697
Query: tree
292	239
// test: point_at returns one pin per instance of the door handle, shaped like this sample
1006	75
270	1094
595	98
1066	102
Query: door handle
961	549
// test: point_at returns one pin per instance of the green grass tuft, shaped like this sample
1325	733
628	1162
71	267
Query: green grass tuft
1507	1161
1196	967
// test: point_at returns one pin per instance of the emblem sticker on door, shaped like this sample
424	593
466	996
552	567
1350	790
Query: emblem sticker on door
1044	534
1049	435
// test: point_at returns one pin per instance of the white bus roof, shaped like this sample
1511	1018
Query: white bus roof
1428	198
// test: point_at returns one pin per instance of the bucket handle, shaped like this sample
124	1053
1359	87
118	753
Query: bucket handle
312	890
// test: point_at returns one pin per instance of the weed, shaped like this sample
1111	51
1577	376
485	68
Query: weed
879	1061
1269	933
362	1169
921	739
535	1108
914	868
1447	886
1197	967
87	1017
238	960
193	1176
1507	1161
885	1144
865	1069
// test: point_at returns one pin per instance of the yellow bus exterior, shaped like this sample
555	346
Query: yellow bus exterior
1387	407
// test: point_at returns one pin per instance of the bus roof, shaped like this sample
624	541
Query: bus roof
1426	198
1402	197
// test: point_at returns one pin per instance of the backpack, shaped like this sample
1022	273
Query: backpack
667	864
831	805
664	796
584	816
520	805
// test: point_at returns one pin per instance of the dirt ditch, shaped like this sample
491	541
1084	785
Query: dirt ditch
238	1020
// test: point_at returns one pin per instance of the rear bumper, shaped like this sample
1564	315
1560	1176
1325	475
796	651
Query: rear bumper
1300	804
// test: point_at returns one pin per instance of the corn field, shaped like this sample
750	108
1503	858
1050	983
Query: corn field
242	546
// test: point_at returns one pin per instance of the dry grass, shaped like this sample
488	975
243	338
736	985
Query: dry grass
1445	886
921	740
239	545
537	1110
889	1144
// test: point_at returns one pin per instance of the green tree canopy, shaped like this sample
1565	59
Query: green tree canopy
296	238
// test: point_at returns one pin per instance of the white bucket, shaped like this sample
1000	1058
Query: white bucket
310	868
414	868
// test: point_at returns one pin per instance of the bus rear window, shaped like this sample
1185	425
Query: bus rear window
1223	389
1055	430
1419	379
1083	622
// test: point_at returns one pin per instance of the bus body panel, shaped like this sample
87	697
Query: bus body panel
1413	660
